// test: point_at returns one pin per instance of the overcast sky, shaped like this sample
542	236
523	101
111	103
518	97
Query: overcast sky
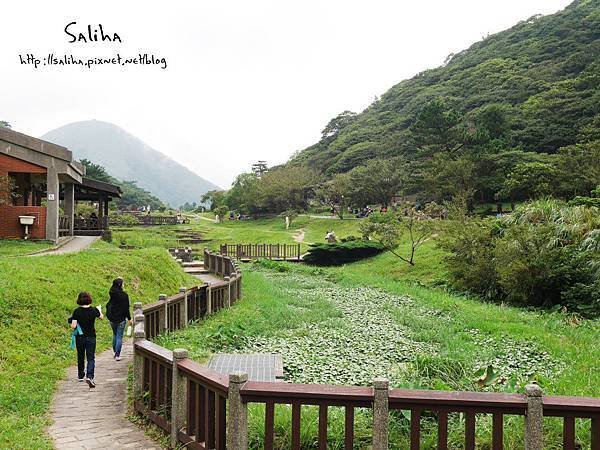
246	80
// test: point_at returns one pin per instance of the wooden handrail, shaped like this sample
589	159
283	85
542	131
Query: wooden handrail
154	350
457	400
307	394
204	375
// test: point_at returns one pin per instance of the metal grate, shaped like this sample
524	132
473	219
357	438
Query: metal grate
258	366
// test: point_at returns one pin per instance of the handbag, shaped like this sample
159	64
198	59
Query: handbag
76	331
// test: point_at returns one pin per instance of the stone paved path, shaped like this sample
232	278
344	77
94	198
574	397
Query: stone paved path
87	418
208	278
76	244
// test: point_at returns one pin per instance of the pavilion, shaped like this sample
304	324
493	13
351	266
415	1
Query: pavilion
46	178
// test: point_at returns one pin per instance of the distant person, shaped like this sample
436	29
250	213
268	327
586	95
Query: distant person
80	222
117	312
330	237
93	221
85	316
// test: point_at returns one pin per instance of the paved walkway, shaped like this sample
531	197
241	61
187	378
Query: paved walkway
87	418
76	244
208	278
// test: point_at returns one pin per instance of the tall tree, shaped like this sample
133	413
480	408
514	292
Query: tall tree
243	195
287	187
379	180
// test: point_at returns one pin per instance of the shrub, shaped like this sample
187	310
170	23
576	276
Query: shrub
125	219
341	253
471	262
546	254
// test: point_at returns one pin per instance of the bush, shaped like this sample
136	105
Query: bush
124	219
546	254
471	263
341	253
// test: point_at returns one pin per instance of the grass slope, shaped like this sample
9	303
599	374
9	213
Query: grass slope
38	295
19	248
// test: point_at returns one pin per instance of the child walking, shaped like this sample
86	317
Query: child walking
85	316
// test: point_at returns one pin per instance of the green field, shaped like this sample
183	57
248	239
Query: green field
20	248
441	339
416	332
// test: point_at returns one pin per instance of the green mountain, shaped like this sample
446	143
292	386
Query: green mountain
535	84
128	158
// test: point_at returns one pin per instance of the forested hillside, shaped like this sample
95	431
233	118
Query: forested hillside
515	116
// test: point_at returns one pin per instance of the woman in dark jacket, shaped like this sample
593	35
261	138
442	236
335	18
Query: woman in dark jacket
117	312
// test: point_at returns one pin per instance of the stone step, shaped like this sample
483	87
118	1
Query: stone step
195	270
193	264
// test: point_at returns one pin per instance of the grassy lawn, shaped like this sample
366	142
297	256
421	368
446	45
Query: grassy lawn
263	231
415	332
38	295
18	248
344	325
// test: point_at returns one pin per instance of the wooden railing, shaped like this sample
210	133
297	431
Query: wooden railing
91	223
283	252
205	410
64	226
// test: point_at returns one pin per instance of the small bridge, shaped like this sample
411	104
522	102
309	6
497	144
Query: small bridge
247	252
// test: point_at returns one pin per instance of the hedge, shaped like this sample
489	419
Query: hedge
341	253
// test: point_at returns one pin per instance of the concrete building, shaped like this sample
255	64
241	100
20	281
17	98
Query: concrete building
46	179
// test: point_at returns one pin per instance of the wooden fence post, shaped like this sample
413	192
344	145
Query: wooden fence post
298	252
163	298
208	300
237	413
534	418
139	334
228	281
380	413
184	318
234	284
206	260
178	397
